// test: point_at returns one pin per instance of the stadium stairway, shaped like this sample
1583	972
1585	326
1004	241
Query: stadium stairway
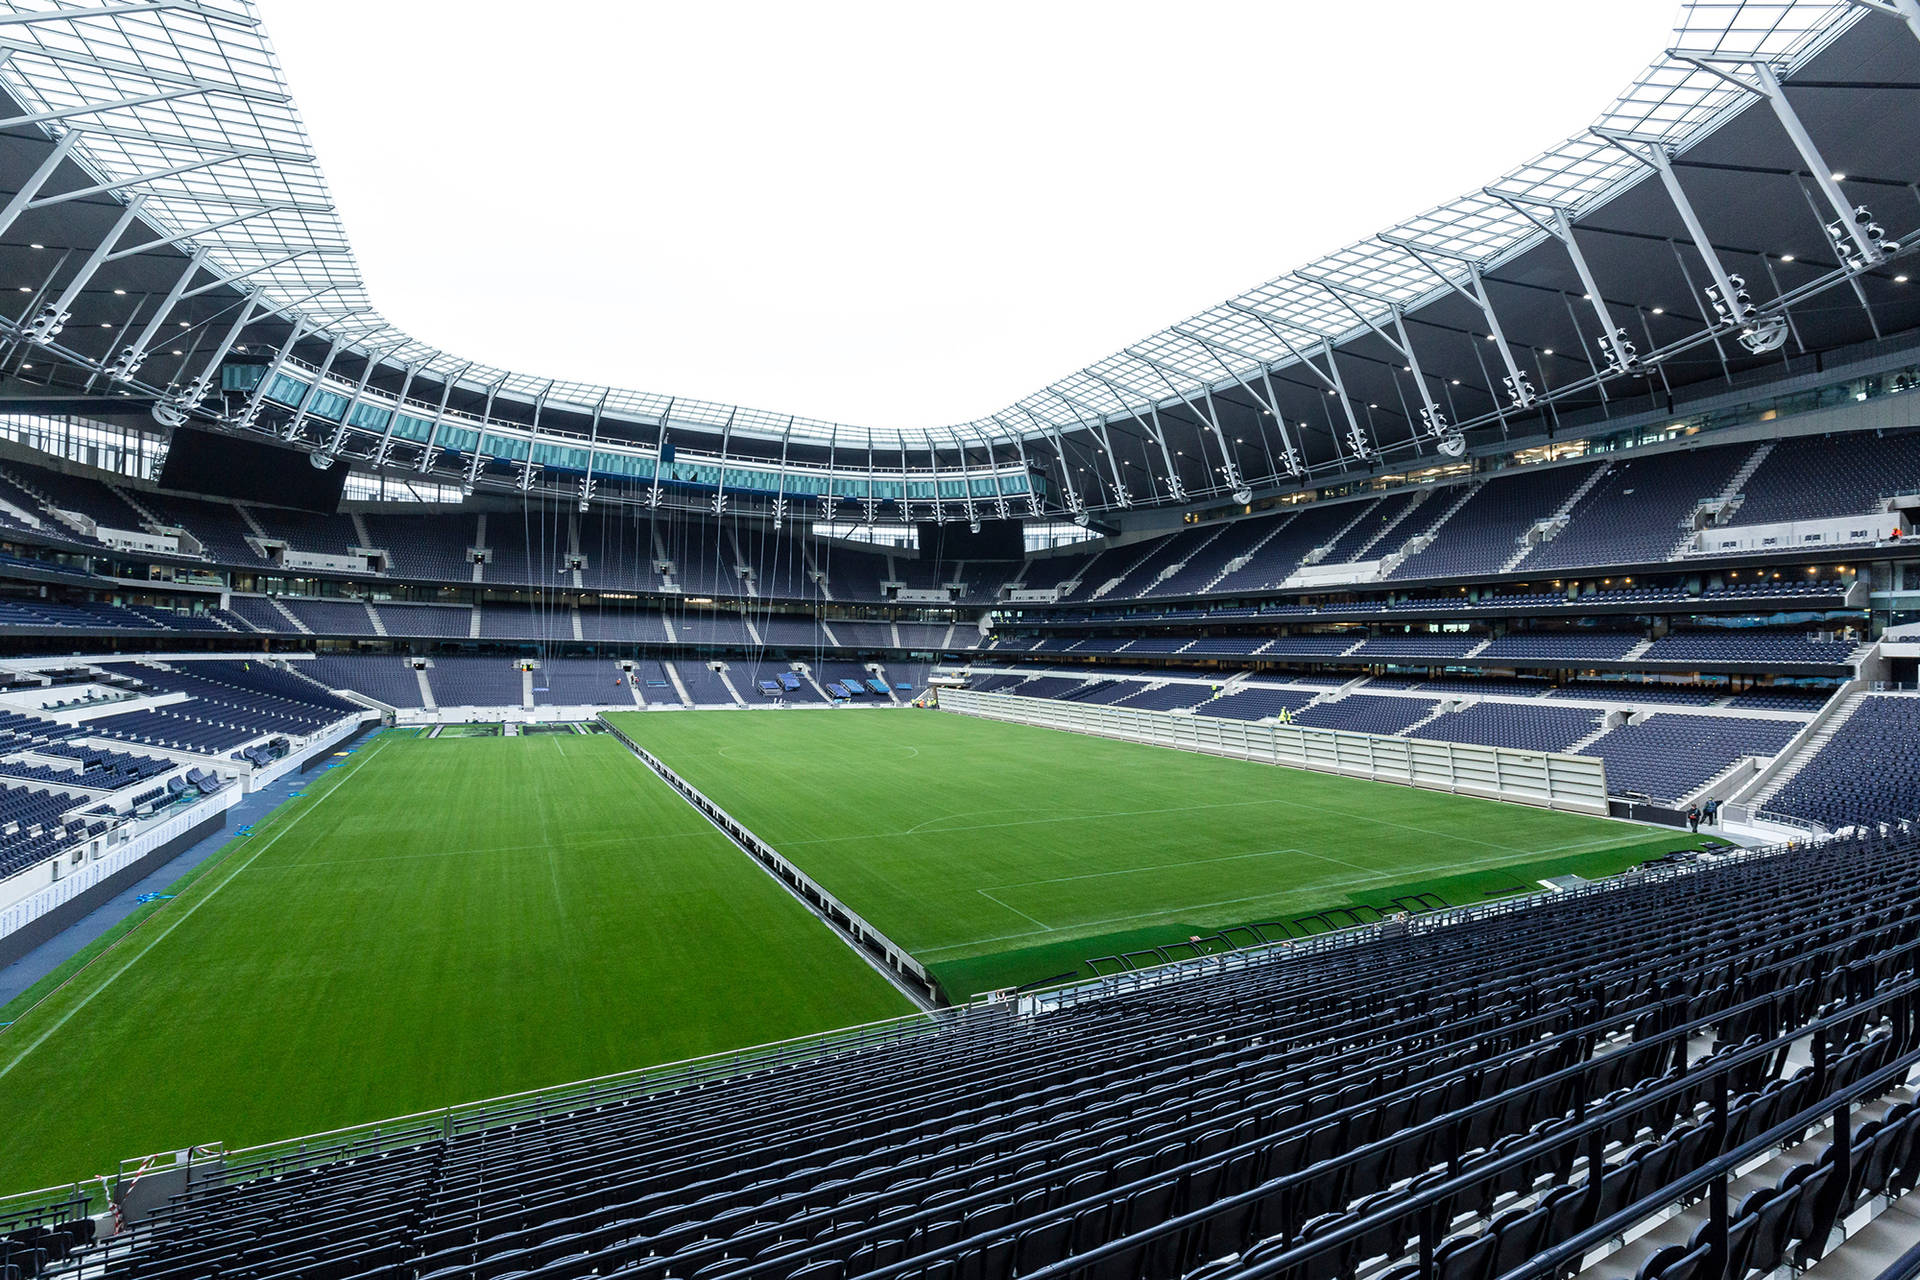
1556	1085
1808	750
293	620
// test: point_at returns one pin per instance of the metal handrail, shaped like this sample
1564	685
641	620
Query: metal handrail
1523	1153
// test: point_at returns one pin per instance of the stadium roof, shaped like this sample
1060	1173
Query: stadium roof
173	116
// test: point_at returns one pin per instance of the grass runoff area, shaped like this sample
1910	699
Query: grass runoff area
1000	854
435	921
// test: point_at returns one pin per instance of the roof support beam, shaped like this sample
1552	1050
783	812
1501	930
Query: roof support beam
292	430
1026	468
137	70
1766	84
439	416
1290	456
359	394
1151	425
1908	11
587	482
1446	437
54	316
660	458
720	468
249	415
1724	296
471	476
966	479
1356	438
134	354
933	469
1048	431
1097	426
530	467
1618	348
208	228
385	445
30	189
134	180
137	6
1519	386
250	271
1229	471
172	412
94	108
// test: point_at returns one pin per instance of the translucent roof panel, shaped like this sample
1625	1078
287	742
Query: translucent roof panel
184	102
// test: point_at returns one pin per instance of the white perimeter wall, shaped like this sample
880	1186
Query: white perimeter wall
1545	779
58	880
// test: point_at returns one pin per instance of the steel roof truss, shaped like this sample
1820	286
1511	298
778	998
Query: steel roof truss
1269	403
359	394
1908	11
587	482
432	444
24	197
1075	504
471	475
53	317
1098	426
1356	437
189	398
1520	388
1229	471
529	466
208	228
384	447
134	354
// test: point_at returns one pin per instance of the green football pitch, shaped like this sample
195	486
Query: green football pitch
434	922
999	854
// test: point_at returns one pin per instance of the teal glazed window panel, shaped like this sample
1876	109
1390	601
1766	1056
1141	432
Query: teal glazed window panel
370	417
327	404
286	389
412	428
563	457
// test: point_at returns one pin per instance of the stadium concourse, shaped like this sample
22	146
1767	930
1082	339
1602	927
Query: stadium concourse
1488	853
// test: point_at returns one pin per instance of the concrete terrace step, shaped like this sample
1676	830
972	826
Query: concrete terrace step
287	613
1240	562
1561	516
1419	501
1811	748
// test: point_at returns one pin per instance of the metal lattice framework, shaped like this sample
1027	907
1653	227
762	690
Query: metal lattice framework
177	109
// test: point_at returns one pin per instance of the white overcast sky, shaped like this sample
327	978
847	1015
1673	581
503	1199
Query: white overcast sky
900	214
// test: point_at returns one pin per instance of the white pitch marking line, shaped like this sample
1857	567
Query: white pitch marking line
1044	926
1162	866
1148	918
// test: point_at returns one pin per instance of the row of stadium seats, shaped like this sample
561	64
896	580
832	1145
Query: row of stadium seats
1588	597
1569	647
294	615
230	707
1867	771
1632	509
481	682
1442	1099
644	552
